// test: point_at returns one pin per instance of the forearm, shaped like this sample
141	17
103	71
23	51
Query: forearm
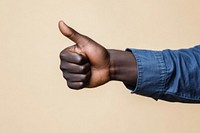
123	67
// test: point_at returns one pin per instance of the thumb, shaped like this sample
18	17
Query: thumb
69	32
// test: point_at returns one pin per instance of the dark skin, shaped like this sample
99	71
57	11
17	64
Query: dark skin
88	64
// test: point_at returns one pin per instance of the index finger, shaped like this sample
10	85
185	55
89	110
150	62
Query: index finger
72	57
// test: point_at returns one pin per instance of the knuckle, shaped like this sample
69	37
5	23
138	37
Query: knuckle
83	77
62	54
81	69
76	86
65	66
65	75
80	85
79	59
70	85
72	34
84	68
62	67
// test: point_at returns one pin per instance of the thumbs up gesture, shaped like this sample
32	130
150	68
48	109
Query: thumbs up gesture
85	64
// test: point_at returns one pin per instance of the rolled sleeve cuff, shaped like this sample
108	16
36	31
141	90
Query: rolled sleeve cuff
151	73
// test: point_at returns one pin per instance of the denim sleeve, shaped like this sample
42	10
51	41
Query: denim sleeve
170	75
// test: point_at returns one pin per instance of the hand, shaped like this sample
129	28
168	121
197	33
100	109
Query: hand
85	64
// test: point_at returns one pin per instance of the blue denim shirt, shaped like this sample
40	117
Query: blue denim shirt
171	75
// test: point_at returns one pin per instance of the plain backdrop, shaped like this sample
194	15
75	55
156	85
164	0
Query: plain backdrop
34	97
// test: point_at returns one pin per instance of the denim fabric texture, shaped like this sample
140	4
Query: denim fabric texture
170	75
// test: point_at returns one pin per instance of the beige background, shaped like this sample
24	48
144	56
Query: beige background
34	97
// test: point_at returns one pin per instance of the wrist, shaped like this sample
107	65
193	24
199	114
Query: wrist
123	67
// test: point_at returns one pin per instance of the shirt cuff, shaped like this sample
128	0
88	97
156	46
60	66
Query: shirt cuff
152	73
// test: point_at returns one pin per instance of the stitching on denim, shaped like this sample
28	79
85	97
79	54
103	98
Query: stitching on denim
140	70
163	72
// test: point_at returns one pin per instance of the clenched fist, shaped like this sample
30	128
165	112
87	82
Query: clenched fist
88	64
